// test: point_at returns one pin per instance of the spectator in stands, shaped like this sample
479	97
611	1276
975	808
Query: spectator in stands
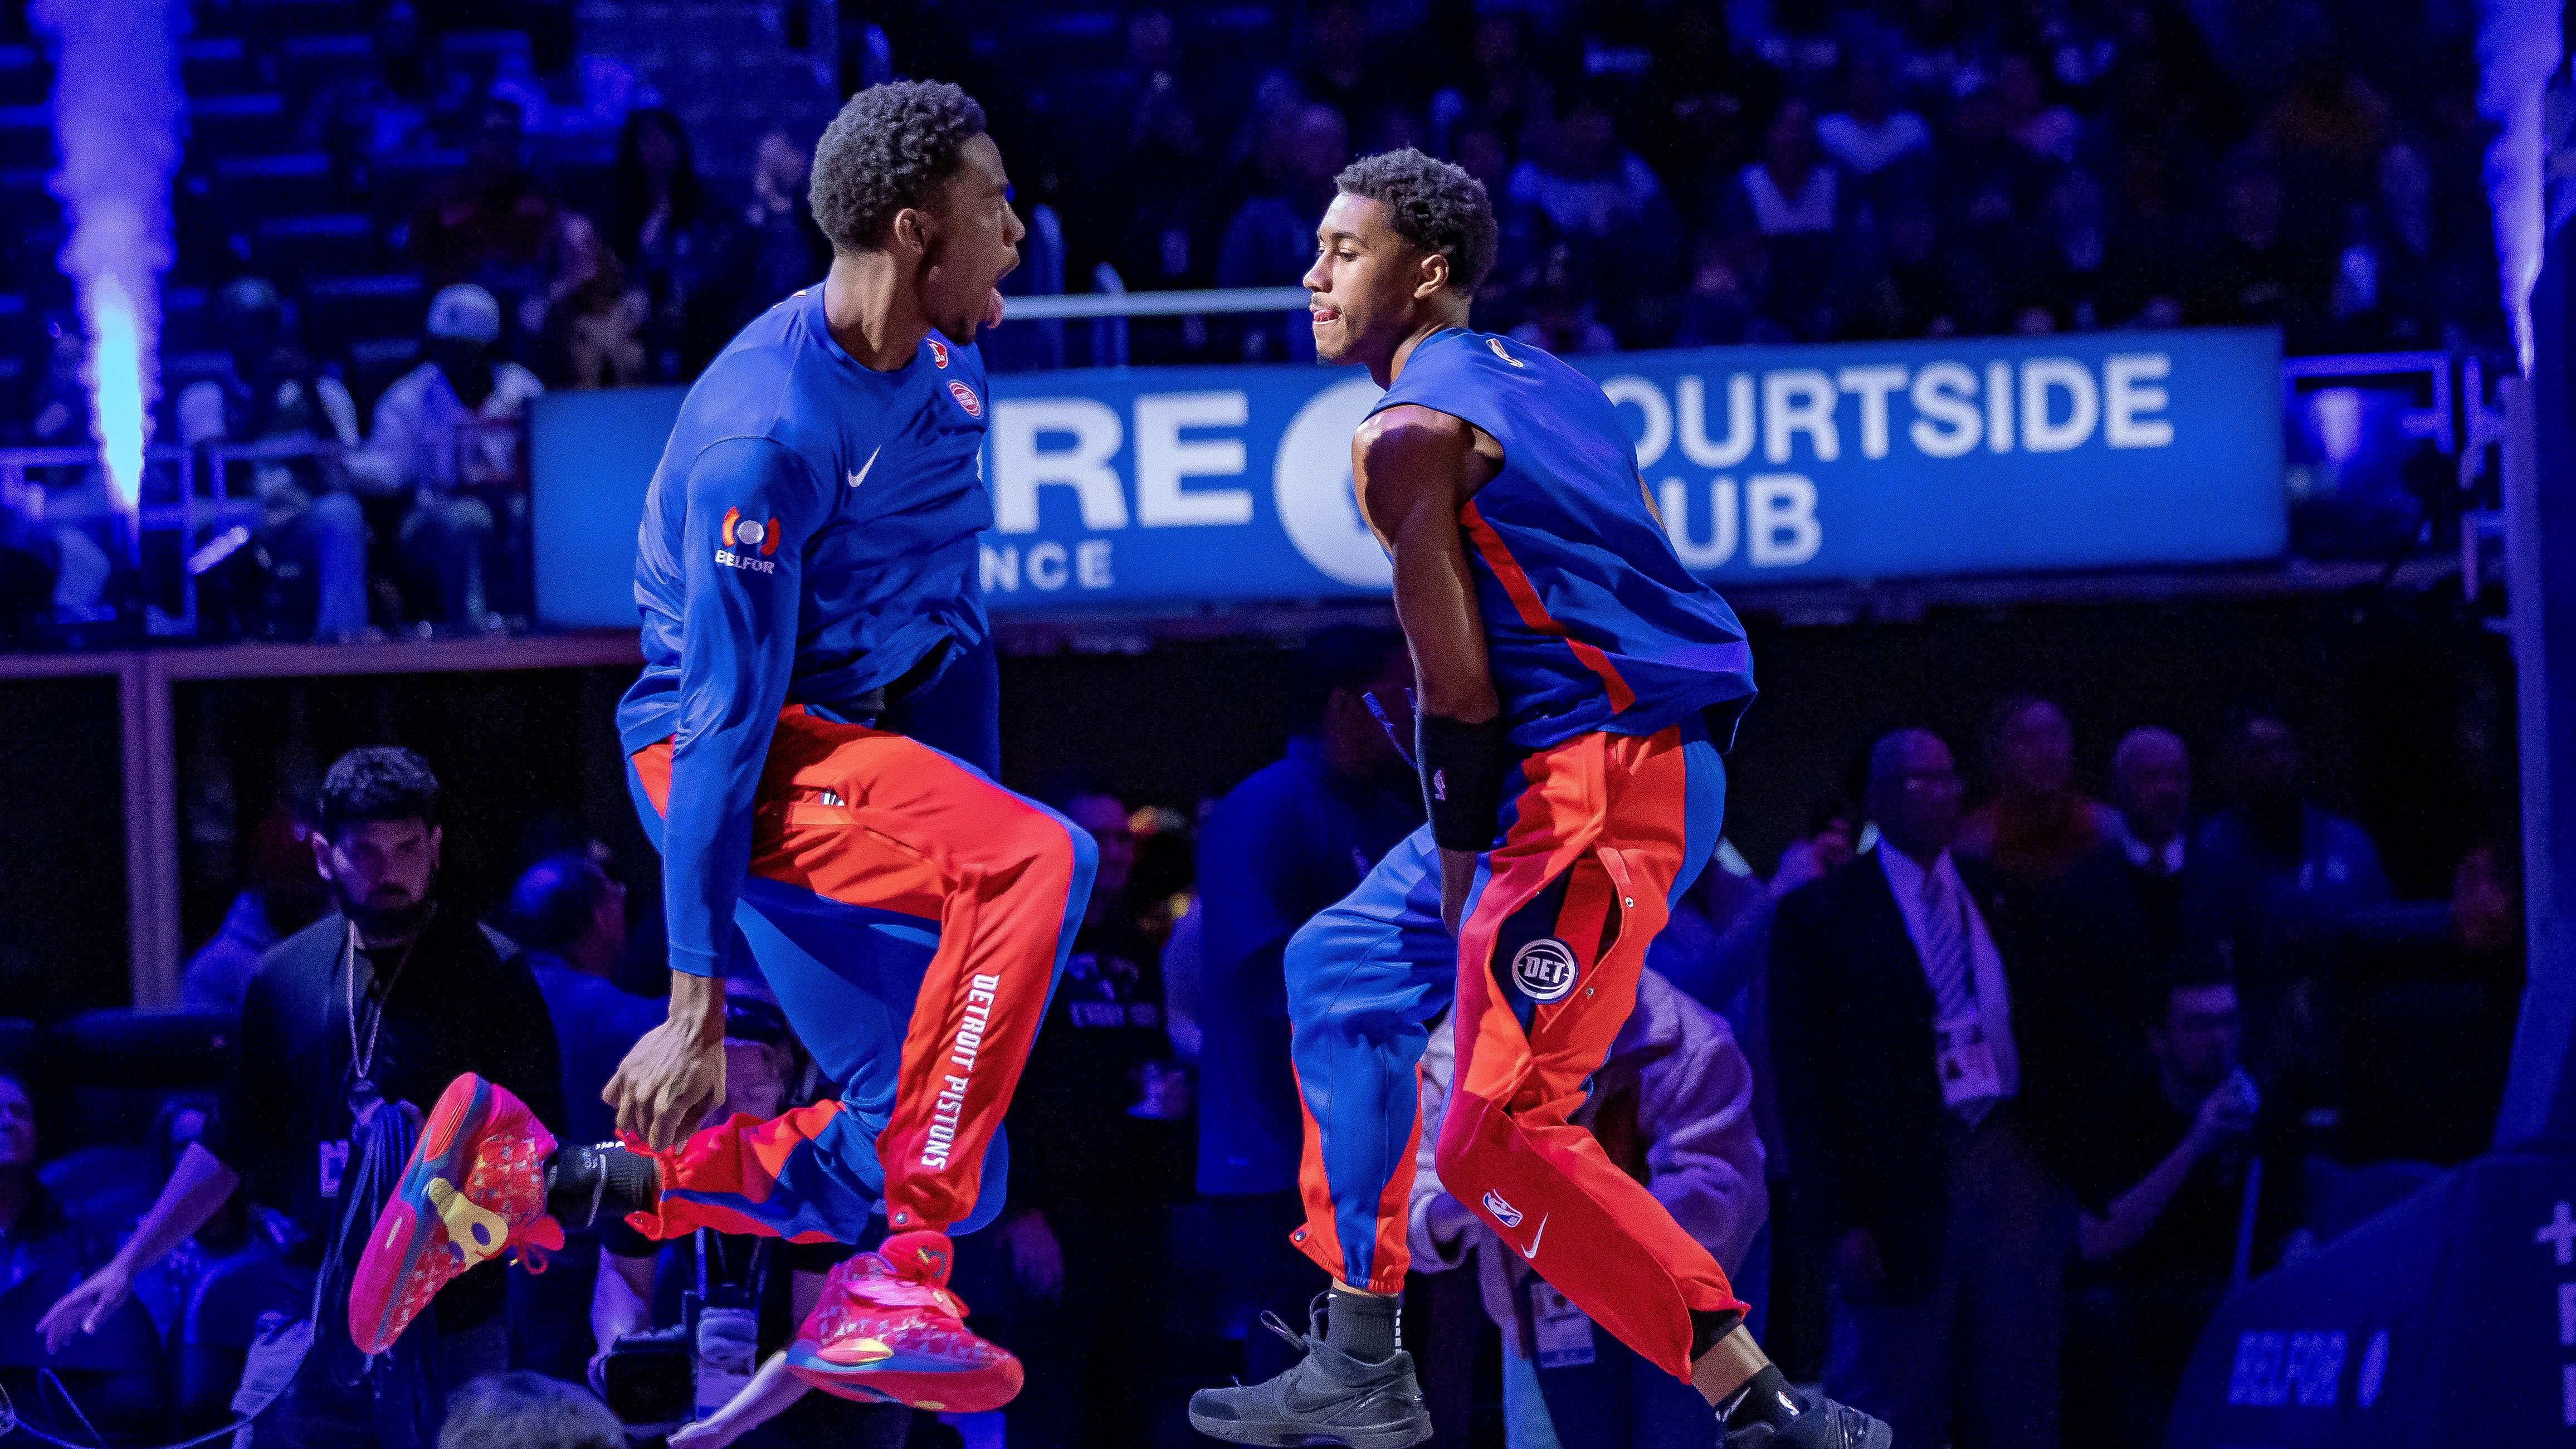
28	1214
283	896
2036	827
682	248
788	249
2285	876
1793	200
1831	840
561	89
1293	838
2184	1163
641	1282
1561	319
447	440
525	1410
2047	131
1917	1093
399	99
1869	136
2254	276
1099	1154
594	319
1271	240
570	917
43	1251
2446	1009
272	391
1505	89
1363	82
64	534
1672	1105
1595	191
2149	818
492	223
384	1001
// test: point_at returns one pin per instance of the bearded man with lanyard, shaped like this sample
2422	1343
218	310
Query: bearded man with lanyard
377	1005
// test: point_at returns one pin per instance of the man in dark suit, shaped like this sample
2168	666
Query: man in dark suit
1923	1095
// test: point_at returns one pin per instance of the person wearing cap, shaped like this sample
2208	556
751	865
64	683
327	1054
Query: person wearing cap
445	426
270	391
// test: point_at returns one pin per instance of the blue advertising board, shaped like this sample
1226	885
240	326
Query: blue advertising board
1179	486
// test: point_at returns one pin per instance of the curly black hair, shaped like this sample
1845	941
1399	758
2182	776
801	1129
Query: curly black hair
1434	206
891	147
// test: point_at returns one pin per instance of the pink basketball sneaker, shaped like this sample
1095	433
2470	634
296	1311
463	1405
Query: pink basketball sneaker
889	1329
476	1184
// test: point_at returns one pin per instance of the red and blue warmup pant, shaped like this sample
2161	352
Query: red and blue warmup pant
912	917
1598	837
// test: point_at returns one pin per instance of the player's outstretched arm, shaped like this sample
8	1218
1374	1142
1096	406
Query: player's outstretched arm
1414	467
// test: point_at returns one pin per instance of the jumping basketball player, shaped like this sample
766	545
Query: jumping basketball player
1578	688
812	745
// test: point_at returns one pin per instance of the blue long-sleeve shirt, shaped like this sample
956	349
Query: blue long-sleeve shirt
809	537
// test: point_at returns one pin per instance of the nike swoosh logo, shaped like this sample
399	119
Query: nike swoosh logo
861	476
1531	1252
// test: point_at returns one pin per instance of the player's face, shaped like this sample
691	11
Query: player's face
1359	292
975	241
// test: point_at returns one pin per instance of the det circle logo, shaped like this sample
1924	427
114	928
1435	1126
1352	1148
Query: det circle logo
1544	969
1311	483
966	398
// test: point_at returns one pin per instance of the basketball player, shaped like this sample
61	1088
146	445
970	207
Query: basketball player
812	745
1577	689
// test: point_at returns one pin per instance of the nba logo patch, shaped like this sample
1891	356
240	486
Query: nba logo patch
1496	343
966	398
939	355
1544	969
1504	1213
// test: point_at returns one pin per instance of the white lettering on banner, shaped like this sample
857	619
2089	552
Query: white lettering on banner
1021	468
1164	458
1739	422
1047	565
1999	420
1946	423
1649	400
1721	543
1872	385
1780	527
2567	1315
1002	565
2041	376
2122	374
1091	564
1311	485
1799	400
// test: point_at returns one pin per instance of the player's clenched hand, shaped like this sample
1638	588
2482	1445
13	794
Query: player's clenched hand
1457	876
675	1075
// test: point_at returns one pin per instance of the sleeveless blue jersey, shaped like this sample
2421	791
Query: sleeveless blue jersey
1591	622
809	536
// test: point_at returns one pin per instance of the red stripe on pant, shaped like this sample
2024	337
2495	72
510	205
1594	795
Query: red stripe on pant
1608	812
875	819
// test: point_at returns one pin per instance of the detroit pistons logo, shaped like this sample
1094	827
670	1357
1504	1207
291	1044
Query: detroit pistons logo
966	398
938	353
1544	969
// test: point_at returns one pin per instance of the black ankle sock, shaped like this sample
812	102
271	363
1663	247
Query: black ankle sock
586	1183
1361	1325
1764	1399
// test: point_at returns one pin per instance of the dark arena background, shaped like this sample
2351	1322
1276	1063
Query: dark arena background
2164	403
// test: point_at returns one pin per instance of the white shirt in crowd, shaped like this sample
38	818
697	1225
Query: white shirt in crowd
1986	964
426	436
